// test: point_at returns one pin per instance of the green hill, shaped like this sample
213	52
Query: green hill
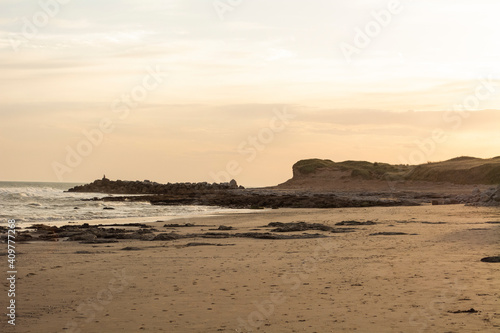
460	170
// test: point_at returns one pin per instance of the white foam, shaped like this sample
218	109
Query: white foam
47	204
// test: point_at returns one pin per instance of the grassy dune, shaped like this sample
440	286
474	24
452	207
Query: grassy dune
460	170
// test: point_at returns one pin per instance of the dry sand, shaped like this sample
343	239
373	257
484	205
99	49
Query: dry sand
348	282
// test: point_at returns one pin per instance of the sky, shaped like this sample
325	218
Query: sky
209	90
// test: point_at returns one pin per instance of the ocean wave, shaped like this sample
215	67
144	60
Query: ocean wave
46	204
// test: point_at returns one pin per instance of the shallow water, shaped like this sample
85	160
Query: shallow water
31	202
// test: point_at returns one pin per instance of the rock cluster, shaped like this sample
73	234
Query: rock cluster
87	233
102	234
256	200
105	185
98	234
304	226
490	197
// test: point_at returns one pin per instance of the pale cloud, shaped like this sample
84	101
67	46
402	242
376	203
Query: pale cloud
205	138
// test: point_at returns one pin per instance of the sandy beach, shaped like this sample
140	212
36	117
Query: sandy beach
359	281
249	166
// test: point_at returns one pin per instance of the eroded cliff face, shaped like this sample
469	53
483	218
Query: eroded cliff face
461	170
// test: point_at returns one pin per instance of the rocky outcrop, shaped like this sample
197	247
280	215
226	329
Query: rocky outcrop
490	197
229	195
105	185
258	200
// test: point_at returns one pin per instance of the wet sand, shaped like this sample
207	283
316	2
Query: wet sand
358	281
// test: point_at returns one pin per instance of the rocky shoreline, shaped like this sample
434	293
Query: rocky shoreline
107	234
226	262
245	199
231	195
105	185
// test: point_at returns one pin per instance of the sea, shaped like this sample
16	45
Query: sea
48	203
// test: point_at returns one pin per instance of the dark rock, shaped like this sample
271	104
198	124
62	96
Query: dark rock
274	224
472	310
216	235
201	244
133	235
43	228
23	237
298	226
343	230
355	223
491	259
175	225
131	248
65	234
139	225
49	237
388	234
167	237
223	227
267	235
